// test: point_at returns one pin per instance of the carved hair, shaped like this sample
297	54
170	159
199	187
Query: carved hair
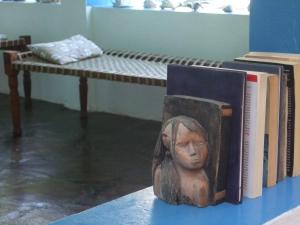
164	149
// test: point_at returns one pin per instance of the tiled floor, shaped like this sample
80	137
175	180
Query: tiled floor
61	166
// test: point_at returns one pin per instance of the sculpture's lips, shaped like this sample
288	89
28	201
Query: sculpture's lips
196	160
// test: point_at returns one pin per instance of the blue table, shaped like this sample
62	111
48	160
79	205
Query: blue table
143	208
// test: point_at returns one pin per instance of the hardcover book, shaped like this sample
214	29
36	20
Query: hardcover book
221	85
292	69
275	132
190	158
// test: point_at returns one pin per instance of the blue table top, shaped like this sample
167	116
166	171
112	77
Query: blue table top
143	208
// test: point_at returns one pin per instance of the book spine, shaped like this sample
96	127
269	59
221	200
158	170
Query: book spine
249	136
282	126
250	148
290	122
260	134
272	129
267	141
226	115
296	149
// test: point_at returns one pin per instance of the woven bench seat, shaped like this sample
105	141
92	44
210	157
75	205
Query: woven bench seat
103	67
122	66
113	65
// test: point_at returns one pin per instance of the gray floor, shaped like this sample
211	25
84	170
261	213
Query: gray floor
62	166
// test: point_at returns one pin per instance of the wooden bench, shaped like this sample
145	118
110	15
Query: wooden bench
122	66
19	45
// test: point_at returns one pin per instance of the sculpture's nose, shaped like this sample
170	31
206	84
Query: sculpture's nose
191	149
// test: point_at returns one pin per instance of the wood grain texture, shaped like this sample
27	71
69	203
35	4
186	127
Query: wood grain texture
190	157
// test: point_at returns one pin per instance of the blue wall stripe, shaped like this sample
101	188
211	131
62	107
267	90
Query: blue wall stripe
275	26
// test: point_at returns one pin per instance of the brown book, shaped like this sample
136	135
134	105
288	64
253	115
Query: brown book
190	158
271	132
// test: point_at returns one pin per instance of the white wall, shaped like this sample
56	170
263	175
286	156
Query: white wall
45	22
208	36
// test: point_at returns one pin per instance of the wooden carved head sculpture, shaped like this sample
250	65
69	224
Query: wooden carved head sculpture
180	156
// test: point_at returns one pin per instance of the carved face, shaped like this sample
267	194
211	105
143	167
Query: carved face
191	150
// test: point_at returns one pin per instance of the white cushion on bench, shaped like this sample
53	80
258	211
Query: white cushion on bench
66	51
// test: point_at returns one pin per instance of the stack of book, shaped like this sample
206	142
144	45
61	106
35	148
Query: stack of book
263	91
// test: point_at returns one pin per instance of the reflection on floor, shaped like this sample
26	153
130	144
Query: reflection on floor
62	166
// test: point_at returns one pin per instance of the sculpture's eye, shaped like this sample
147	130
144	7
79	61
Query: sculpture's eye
181	144
199	144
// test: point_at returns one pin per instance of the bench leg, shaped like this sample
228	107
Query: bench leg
12	74
83	89
27	89
15	103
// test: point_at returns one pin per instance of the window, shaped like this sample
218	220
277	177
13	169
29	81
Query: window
32	1
177	5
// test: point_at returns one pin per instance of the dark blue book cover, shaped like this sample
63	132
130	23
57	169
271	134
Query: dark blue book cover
277	70
220	85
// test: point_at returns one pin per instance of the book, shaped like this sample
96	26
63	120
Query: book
190	158
275	131
254	133
292	69
220	85
271	149
283	113
275	56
